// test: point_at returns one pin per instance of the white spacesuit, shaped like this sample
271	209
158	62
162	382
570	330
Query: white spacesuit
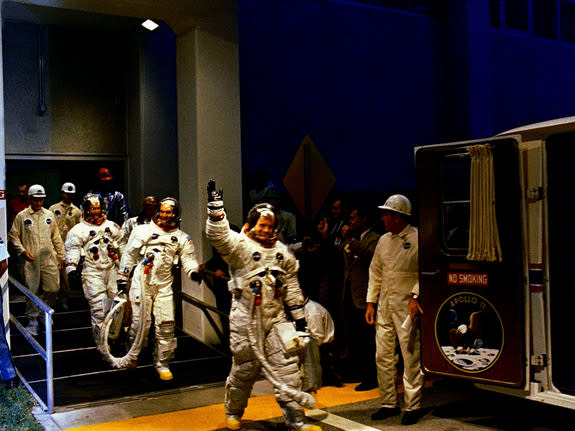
149	208
263	280
95	239
35	236
319	322
153	250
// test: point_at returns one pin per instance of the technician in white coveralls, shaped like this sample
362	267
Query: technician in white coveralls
394	287
96	240
67	216
153	250
263	278
36	238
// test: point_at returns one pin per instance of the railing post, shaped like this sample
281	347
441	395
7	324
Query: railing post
46	354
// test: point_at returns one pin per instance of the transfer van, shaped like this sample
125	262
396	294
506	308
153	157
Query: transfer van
496	250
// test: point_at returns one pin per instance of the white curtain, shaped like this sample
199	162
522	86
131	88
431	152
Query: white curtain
484	244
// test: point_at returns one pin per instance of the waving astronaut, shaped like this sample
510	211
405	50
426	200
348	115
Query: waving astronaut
152	251
263	279
95	241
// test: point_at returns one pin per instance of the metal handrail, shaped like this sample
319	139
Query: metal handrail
46	354
207	308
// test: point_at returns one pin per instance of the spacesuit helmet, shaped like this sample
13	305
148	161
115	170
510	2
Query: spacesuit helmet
262	211
168	214
150	206
92	206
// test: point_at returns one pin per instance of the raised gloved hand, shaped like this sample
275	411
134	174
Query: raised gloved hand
301	325
215	202
122	285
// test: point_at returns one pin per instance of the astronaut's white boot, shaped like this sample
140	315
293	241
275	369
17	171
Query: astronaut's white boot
164	373
233	423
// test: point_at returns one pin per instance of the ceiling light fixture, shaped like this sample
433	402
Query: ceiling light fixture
150	25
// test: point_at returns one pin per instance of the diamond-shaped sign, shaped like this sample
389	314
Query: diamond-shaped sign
309	179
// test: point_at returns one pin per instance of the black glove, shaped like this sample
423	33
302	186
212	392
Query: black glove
301	325
215	202
196	276
122	285
75	277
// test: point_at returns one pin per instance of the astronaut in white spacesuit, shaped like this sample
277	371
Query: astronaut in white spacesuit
263	279
149	209
152	251
94	241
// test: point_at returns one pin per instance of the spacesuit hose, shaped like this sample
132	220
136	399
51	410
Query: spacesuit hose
255	339
131	356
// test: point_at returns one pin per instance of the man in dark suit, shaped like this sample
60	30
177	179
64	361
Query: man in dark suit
358	246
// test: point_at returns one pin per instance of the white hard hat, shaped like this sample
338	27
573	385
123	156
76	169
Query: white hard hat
37	191
397	203
68	188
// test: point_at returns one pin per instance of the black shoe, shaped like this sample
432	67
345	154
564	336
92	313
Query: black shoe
366	386
410	417
12	383
384	413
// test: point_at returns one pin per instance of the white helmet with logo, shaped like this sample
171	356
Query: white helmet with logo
397	203
68	188
37	191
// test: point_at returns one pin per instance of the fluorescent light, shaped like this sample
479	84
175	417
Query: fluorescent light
150	25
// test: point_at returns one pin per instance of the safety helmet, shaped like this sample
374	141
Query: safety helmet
89	200
104	174
397	203
175	219
37	191
68	188
261	210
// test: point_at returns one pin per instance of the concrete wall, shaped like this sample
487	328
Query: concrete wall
368	84
209	137
361	81
532	80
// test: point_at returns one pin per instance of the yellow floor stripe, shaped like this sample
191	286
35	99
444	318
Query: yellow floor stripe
212	417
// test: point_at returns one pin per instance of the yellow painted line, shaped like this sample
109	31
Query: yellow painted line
212	417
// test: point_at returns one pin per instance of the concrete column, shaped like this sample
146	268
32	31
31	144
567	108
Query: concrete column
3	218
209	145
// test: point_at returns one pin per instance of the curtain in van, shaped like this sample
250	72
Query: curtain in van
484	243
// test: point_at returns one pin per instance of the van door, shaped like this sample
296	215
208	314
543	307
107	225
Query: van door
560	150
473	321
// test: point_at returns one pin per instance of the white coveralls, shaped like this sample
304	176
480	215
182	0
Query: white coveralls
393	276
152	281
67	216
37	232
247	259
99	247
